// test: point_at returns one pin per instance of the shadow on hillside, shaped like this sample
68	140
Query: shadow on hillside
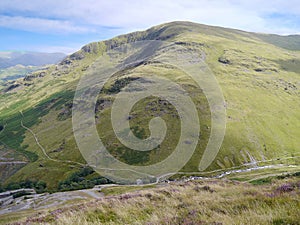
291	65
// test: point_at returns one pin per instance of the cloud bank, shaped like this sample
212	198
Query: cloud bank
98	17
82	16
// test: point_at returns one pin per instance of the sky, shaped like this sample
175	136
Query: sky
65	26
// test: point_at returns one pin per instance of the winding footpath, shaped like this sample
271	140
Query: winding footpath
43	149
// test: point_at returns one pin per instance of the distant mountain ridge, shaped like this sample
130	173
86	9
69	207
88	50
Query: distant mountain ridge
9	59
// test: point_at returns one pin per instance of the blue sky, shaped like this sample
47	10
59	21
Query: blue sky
65	26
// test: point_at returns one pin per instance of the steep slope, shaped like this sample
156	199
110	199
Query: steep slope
259	78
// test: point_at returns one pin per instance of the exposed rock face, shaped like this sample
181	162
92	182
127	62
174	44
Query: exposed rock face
34	75
8	197
11	87
25	191
77	56
224	60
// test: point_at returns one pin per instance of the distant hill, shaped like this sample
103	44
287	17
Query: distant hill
290	42
9	59
18	71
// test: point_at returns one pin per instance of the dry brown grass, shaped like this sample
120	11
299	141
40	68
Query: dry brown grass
193	202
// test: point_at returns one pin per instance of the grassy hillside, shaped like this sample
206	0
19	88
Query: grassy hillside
259	78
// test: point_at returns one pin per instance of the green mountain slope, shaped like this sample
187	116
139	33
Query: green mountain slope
258	74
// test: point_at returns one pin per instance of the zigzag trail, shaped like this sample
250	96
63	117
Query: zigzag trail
43	149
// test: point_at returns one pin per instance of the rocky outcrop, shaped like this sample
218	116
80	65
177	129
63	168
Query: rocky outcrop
8	197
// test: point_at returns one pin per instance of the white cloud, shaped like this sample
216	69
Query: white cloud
137	14
41	25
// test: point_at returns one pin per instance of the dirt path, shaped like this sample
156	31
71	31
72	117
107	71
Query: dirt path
37	142
43	149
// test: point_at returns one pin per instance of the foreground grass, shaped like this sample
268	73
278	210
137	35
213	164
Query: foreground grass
193	202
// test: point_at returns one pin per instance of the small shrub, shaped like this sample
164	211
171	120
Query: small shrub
285	188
